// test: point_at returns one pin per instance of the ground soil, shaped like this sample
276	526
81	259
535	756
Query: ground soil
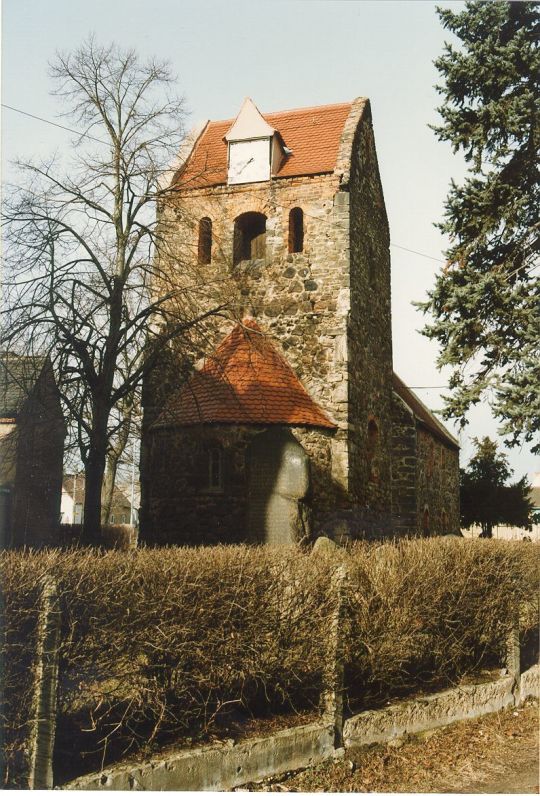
495	754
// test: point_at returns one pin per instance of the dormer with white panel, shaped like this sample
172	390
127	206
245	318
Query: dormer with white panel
255	149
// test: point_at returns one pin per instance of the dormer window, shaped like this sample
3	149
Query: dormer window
255	150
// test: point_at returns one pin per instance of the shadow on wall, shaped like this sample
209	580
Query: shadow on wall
281	484
278	489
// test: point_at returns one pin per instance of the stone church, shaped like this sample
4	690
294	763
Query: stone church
294	425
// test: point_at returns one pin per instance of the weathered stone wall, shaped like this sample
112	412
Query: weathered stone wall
369	332
182	509
404	504
437	485
294	297
425	477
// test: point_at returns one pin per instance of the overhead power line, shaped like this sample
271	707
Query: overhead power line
420	254
54	124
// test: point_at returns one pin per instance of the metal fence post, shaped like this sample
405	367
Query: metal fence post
45	689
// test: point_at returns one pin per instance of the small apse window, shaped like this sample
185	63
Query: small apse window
425	523
215	469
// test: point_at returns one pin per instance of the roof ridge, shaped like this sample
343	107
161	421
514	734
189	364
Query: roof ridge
288	111
439	425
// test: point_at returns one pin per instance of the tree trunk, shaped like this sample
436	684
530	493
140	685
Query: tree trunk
114	455
487	531
94	472
109	479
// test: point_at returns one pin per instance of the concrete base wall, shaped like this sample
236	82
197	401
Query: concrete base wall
529	683
437	710
221	767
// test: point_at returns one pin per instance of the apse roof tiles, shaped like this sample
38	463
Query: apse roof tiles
245	382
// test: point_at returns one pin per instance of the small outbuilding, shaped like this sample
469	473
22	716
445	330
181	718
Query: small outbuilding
32	432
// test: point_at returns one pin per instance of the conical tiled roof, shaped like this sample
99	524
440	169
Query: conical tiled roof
245	382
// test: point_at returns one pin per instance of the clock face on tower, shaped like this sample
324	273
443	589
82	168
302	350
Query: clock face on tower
249	161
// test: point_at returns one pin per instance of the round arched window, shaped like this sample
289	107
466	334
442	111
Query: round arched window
249	237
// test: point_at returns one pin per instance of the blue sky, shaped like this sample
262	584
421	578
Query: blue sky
284	54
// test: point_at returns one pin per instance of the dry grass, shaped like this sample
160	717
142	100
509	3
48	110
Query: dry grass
496	753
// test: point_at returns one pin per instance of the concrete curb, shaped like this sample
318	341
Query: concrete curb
435	710
221	767
529	683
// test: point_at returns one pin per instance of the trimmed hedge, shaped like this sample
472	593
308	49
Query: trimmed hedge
425	613
157	643
162	643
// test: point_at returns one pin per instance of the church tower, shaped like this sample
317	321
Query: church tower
286	430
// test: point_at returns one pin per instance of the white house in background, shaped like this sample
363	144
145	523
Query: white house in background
72	503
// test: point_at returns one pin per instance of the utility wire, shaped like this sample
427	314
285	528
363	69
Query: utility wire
54	124
420	254
100	141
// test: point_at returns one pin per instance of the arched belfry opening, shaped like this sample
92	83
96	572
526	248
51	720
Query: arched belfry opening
249	237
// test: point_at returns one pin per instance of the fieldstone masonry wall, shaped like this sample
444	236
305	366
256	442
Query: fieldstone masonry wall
370	331
437	485
219	517
425	477
403	467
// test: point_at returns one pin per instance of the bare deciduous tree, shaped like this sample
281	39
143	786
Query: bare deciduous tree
85	249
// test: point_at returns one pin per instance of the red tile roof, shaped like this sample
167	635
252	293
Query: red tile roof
245	382
422	413
313	135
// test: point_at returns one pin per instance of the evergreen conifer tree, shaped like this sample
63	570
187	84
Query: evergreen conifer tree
486	499
485	303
